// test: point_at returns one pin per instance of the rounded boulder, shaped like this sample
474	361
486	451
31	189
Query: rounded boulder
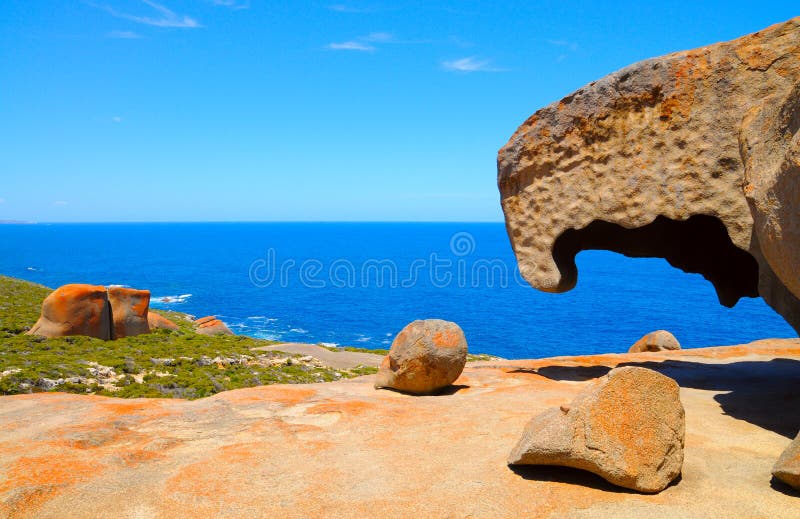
425	357
659	340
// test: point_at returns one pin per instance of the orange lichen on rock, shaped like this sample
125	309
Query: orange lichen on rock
75	309
425	357
129	311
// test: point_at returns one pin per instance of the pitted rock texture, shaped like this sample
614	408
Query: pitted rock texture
658	340
129	311
628	429
75	309
787	468
425	357
692	157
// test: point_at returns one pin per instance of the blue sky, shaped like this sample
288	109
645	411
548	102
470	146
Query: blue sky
170	110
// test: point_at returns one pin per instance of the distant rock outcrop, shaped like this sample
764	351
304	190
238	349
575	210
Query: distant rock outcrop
210	325
95	311
787	468
693	157
658	340
628	428
75	310
155	321
426	356
129	311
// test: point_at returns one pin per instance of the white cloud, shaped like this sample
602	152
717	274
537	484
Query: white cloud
165	18
232	4
470	64
341	8
351	45
2	200
364	43
571	45
59	203
124	35
116	119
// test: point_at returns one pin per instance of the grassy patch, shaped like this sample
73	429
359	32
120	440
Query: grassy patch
357	350
20	304
163	363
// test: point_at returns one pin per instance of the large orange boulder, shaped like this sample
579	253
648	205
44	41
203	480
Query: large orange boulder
155	320
128	311
627	428
75	310
212	326
426	356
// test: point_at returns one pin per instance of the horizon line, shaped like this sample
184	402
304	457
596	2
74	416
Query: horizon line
30	222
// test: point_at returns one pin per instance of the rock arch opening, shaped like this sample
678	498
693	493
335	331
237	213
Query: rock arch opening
698	245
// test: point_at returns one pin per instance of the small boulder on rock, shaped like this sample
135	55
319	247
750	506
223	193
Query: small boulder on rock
627	427
658	340
129	311
426	356
155	320
787	468
212	326
75	309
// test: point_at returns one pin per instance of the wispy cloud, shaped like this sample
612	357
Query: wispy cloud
571	45
365	43
470	64
351	45
232	4
116	119
123	35
2	200
165	17
342	8
567	46
59	203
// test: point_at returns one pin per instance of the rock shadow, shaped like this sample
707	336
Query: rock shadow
449	390
763	393
571	476
783	488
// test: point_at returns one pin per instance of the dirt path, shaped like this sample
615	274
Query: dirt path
334	359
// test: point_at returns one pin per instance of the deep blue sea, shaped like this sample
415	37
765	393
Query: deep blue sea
360	283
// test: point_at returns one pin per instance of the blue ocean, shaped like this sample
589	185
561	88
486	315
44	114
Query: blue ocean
359	283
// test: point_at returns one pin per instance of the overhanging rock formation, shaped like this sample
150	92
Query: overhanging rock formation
693	157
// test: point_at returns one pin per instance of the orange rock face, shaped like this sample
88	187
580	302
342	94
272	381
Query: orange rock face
155	320
212	326
75	310
342	449
628	428
658	340
129	311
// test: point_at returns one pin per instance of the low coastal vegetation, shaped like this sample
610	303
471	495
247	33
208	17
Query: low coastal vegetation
164	363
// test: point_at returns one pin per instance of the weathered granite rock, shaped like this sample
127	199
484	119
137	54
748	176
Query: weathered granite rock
203	320
628	428
155	320
426	356
213	327
787	468
75	309
658	340
129	311
692	157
